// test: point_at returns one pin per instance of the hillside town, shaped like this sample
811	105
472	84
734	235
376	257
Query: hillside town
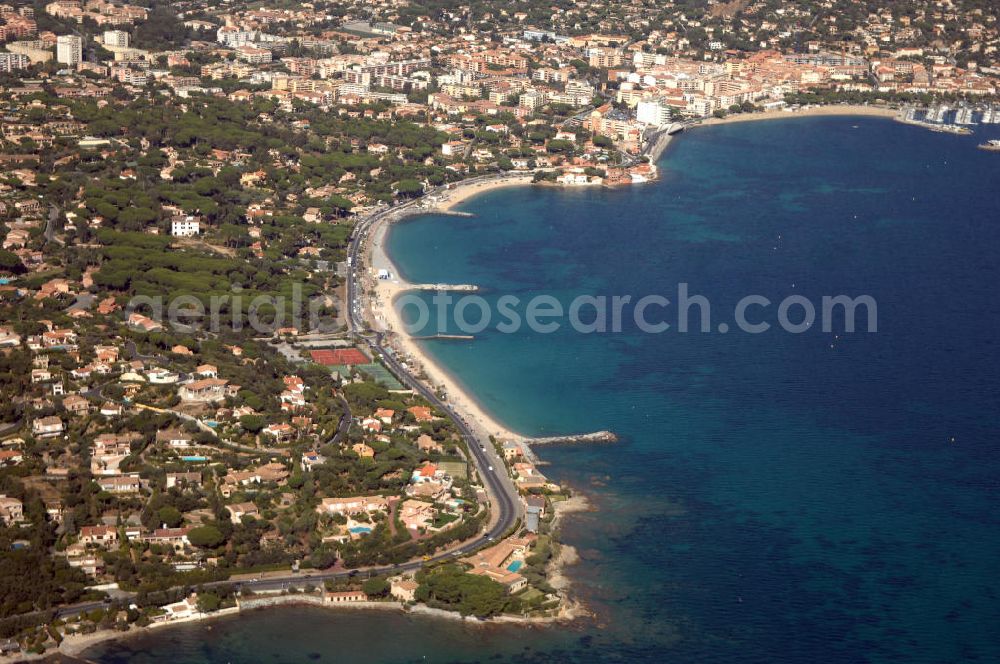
568	98
212	163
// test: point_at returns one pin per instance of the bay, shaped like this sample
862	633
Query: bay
775	497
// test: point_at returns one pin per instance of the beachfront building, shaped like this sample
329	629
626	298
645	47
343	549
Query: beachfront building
183	610
534	508
501	561
403	588
653	112
345	597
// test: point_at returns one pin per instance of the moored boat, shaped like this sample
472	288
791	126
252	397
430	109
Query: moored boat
949	129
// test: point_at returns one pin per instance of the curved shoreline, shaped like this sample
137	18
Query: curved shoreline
462	192
849	110
469	408
383	309
386	317
78	645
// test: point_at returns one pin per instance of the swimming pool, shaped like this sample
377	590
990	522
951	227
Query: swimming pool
514	566
357	530
194	459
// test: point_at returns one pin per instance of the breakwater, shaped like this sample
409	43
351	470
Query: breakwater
594	437
464	288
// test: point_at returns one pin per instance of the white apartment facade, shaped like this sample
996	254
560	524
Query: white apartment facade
185	227
69	50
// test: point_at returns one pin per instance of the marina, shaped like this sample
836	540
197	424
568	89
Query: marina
959	119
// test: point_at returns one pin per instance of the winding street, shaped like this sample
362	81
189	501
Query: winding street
504	502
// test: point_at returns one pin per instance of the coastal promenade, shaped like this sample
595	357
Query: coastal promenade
830	110
656	141
365	241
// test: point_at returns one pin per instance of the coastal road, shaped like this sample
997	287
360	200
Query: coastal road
492	470
504	501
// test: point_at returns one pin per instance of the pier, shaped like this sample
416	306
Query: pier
595	437
431	207
467	288
453	213
946	119
459	337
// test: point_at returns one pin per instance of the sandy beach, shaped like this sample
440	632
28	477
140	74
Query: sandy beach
385	317
806	112
387	291
409	351
462	192
73	645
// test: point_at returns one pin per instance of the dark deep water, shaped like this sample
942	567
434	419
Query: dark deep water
776	497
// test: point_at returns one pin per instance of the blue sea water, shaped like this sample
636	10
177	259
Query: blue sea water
775	497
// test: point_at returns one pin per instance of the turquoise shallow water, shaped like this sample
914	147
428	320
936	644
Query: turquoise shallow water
775	497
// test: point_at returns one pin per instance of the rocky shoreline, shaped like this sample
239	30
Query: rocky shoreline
73	647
